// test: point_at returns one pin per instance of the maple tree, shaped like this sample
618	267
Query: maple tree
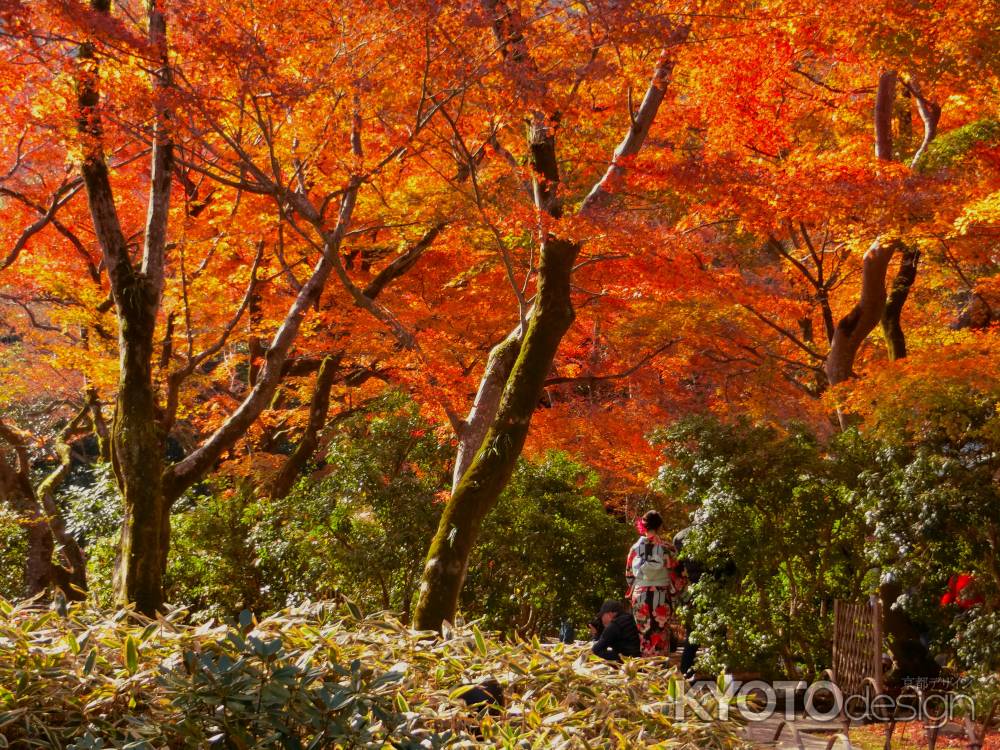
235	224
192	133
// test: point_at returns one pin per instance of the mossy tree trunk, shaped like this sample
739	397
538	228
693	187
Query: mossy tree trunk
484	407
486	477
136	441
40	515
536	341
137	456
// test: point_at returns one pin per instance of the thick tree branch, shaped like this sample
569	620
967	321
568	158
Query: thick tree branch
403	263
319	406
892	326
631	144
930	113
161	177
183	474
484	406
853	328
885	96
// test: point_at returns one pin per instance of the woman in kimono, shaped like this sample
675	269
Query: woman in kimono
655	578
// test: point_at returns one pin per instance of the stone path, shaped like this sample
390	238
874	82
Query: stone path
807	734
800	733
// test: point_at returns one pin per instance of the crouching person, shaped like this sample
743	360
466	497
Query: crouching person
620	636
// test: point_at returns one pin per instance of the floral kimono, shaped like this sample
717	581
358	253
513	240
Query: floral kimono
655	578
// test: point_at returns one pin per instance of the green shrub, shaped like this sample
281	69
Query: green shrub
211	569
934	507
780	535
364	527
548	551
92	507
359	526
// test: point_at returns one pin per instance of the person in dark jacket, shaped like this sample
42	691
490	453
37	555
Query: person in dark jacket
692	571
620	636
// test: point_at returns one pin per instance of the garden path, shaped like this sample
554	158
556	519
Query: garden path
800	733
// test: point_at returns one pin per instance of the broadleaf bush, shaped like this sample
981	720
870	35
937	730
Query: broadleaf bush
317	677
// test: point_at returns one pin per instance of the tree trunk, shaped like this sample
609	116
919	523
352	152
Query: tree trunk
38	562
484	408
892	326
853	328
909	655
885	98
318	408
138	458
448	558
136	444
493	463
73	578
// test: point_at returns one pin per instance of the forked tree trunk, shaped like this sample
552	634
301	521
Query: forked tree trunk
479	489
148	487
480	486
136	442
853	328
874	306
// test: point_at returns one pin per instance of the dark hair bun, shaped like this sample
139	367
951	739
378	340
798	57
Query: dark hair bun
652	520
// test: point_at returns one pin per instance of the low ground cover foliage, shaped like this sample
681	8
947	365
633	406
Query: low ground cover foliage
321	676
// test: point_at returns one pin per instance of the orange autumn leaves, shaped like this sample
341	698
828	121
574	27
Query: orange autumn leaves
683	301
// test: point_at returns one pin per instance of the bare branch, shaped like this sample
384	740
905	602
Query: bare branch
783	331
403	263
183	474
642	362
177	377
61	197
